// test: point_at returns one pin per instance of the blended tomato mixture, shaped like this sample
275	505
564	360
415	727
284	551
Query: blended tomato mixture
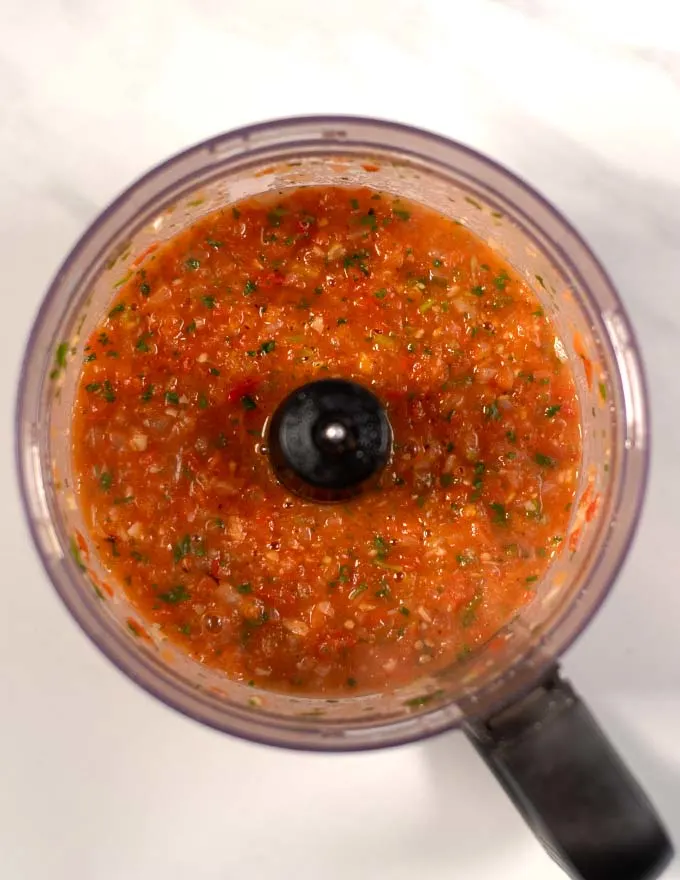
202	343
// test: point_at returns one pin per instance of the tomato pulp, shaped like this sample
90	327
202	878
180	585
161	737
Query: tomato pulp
201	344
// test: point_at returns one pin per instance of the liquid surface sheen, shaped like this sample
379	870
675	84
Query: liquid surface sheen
206	338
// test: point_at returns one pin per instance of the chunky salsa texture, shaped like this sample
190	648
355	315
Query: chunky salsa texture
206	338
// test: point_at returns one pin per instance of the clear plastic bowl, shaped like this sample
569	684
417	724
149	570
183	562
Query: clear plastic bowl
523	228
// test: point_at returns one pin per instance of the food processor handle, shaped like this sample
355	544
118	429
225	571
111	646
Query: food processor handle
571	786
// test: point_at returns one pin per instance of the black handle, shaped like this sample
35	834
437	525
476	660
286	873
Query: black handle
572	788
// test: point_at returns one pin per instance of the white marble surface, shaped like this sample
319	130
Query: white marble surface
98	781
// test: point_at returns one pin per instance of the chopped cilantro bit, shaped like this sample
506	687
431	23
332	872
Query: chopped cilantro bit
211	242
144	289
473	202
172	397
61	354
147	394
175	595
76	554
491	411
108	392
545	460
235	213
383	593
446	480
248	403
551	411
380	294
249	287
268	346
381	546
531	579
185	629
275	216
369	220
501	280
192	263
105	480
89	358
213	371
93	387
117	310
603	390
191	327
181	549
244	589
202	401
500	514
404	610
208	301
357	591
511	436
401	214
126	499
143	342
354	204
477	290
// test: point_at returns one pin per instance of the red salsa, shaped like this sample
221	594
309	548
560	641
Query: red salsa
199	347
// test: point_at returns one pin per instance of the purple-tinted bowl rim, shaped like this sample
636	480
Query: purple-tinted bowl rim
281	124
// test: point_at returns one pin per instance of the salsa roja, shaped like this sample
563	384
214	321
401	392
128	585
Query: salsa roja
214	329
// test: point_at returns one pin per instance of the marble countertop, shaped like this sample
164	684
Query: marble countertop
97	780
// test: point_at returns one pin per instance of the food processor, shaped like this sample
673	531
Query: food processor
525	720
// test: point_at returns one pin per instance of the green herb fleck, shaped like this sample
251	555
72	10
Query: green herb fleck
105	480
211	242
244	589
500	514
491	411
202	401
404	610
603	390
249	287
531	579
147	394
357	591
551	411
208	301
501	280
248	403
380	294
477	290
181	549
172	397
545	460
268	346
144	289
143	342
76	554
401	214
381	547
117	310
175	595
